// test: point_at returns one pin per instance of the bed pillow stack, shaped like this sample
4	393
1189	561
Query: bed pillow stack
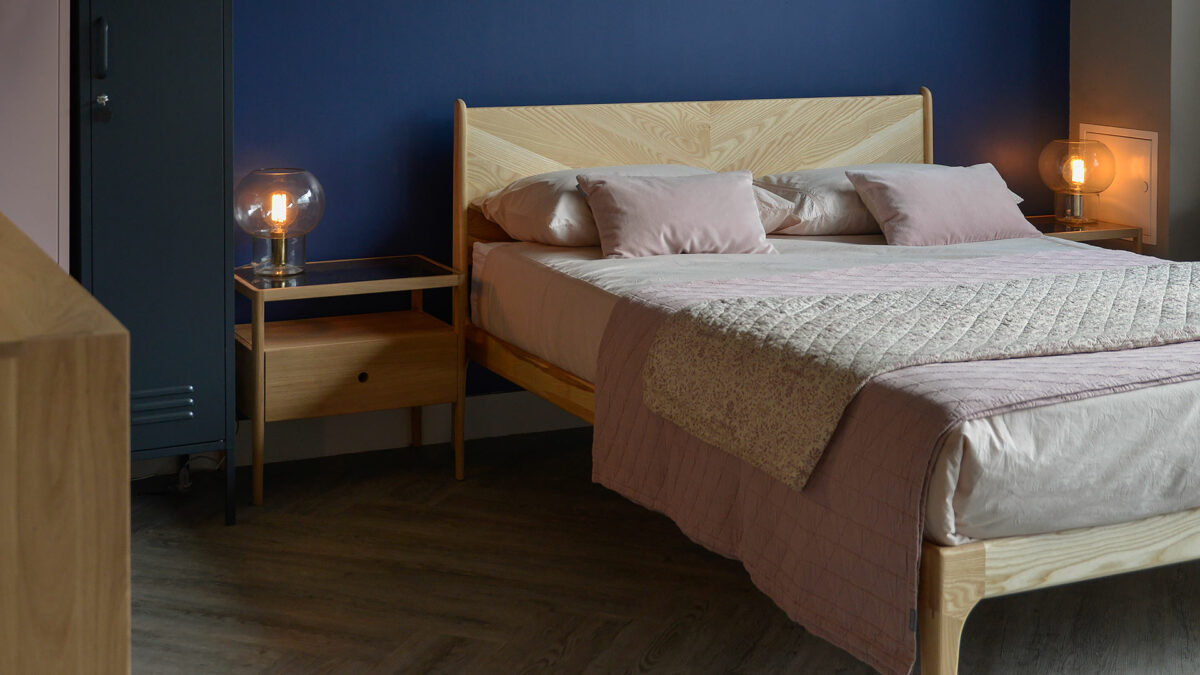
911	204
551	208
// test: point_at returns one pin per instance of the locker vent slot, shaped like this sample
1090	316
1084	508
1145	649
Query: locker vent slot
165	404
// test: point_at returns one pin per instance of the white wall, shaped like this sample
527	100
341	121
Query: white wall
34	112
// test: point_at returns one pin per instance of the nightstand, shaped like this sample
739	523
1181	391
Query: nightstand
1098	231
345	364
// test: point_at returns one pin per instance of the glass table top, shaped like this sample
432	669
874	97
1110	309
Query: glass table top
324	273
1048	225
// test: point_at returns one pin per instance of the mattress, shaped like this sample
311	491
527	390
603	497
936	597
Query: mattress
1095	461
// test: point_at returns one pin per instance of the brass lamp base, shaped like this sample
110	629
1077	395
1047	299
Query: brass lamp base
1071	213
278	256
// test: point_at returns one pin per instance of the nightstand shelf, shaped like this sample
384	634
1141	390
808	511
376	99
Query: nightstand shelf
1098	231
347	364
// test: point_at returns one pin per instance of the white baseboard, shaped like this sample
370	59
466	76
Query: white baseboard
487	416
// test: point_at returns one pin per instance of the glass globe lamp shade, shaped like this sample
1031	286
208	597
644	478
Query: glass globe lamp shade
1074	169
278	207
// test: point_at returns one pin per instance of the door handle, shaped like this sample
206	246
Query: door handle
100	48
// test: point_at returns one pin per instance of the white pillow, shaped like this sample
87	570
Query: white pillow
775	211
548	208
824	202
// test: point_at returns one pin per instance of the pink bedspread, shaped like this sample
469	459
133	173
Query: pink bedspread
841	557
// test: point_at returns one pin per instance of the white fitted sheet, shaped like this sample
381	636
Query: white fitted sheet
1096	461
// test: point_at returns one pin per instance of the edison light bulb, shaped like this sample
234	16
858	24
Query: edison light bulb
279	214
1077	172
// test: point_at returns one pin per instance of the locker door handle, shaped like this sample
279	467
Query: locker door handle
100	48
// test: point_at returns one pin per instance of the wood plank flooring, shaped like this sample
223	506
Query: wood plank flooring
381	562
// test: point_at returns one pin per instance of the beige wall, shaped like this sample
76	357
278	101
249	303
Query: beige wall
1185	129
34	142
1121	77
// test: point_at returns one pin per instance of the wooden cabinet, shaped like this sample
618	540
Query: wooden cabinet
64	471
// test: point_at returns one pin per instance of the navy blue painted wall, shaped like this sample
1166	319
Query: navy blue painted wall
360	92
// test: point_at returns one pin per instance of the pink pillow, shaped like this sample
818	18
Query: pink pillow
951	205
641	216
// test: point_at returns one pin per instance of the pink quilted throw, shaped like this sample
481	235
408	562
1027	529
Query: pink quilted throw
841	556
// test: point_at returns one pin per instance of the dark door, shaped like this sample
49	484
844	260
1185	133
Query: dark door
157	239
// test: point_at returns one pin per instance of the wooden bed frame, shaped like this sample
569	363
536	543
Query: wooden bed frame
495	146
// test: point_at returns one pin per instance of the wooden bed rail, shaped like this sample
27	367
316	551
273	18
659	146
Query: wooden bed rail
955	578
571	393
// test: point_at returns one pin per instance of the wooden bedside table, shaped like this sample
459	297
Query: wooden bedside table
344	364
1090	232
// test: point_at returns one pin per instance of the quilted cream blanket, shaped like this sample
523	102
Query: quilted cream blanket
767	379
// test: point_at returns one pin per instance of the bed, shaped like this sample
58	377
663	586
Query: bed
495	146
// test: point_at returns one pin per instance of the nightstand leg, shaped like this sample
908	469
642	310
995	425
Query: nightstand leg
456	433
414	426
260	397
1137	243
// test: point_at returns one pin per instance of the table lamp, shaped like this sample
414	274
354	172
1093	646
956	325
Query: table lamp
1073	169
277	207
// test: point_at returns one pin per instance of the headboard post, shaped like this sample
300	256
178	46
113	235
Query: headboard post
461	260
459	197
927	110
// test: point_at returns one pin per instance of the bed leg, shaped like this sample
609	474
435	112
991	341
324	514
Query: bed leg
952	582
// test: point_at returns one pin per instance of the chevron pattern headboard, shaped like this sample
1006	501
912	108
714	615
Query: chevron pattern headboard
495	146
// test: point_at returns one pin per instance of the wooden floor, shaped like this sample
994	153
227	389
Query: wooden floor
381	562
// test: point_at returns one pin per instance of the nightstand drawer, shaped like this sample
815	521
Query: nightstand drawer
347	364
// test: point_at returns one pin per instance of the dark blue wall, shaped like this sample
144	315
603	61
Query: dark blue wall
360	92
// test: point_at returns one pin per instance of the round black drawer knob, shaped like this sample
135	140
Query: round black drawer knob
362	377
